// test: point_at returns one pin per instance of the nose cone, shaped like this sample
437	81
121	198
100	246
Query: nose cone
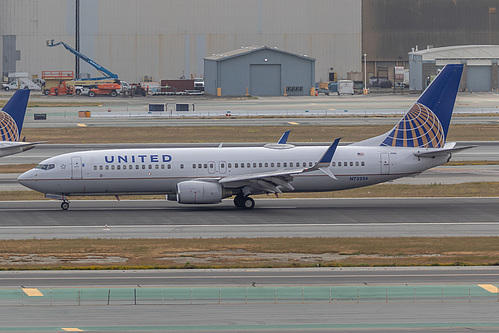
28	178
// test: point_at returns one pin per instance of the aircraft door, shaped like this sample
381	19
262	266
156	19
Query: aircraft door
385	163
211	167
222	166
76	172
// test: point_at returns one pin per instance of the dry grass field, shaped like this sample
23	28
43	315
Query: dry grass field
194	134
247	252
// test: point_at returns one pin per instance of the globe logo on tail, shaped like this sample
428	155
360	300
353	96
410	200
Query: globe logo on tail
419	128
8	128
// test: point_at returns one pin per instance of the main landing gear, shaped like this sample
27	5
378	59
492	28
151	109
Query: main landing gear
243	201
65	205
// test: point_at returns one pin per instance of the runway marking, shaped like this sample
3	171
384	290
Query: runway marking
32	292
71	329
293	123
81	125
490	288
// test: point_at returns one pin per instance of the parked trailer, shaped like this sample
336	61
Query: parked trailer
345	87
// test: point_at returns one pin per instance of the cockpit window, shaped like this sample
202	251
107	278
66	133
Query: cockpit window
45	166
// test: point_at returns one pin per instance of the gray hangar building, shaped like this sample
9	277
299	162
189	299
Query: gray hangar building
480	66
259	71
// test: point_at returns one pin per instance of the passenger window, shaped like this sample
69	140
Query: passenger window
310	164
130	167
291	164
248	165
272	164
136	166
304	164
284	164
229	165
278	164
169	166
107	167
222	165
95	167
266	165
162	166
181	166
333	164
150	166
124	167
112	167
351	163
242	165
362	163
143	166
254	165
156	166
199	165
236	165
357	163
259	165
211	165
194	166
100	167
339	163
206	166
118	167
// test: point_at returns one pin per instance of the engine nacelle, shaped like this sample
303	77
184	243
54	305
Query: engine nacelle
199	192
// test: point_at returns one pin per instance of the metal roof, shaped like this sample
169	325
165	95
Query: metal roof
460	52
250	49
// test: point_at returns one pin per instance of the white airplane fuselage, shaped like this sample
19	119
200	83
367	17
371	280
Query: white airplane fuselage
158	171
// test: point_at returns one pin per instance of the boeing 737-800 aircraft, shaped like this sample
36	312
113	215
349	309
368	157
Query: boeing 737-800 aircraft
11	123
208	175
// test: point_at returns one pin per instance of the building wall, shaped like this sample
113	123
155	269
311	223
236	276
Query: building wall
169	39
234	75
390	28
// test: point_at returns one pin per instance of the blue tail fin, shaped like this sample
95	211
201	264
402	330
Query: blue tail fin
12	116
427	122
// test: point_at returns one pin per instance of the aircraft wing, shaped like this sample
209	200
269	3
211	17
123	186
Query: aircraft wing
269	181
10	148
442	152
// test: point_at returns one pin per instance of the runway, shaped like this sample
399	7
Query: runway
271	218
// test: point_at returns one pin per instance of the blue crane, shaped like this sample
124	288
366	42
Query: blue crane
107	74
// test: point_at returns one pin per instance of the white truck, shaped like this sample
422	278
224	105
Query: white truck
21	83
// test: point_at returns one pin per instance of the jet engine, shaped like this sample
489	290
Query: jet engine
200	192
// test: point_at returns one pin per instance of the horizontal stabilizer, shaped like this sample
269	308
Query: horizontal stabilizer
442	152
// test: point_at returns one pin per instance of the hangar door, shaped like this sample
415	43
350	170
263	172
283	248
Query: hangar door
479	78
265	80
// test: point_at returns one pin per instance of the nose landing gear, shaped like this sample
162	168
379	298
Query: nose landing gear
65	205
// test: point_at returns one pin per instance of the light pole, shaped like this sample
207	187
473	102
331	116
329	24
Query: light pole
365	74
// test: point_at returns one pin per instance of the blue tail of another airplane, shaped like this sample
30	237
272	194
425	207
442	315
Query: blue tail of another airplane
427	122
12	116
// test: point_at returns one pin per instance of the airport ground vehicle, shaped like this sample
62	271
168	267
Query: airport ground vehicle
111	89
326	87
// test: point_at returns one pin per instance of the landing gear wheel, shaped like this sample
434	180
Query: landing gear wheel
238	201
65	205
248	203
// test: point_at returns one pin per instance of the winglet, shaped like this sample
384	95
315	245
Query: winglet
284	137
328	155
325	160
